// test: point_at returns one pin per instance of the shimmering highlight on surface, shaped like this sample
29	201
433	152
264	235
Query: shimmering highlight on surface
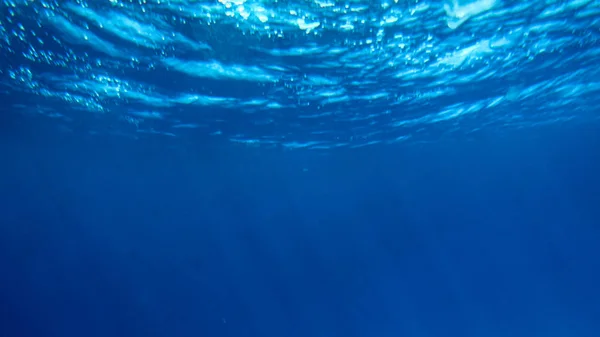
302	74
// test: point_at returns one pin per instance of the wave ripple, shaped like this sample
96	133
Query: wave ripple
314	74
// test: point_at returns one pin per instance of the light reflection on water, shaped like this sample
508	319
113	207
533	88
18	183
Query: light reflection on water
303	74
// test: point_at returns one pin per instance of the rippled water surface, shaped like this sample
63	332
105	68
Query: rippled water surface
313	74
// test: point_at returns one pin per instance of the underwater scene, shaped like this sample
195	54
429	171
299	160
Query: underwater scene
300	168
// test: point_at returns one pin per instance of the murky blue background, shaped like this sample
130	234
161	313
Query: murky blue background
495	237
299	168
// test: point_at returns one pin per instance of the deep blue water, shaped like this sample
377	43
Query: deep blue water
493	237
299	168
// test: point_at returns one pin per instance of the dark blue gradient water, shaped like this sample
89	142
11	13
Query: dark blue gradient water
310	168
497	236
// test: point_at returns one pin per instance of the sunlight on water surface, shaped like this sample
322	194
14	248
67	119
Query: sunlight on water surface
301	74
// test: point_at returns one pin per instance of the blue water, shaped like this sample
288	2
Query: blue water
299	168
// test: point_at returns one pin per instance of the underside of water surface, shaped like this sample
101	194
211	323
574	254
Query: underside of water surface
316	74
